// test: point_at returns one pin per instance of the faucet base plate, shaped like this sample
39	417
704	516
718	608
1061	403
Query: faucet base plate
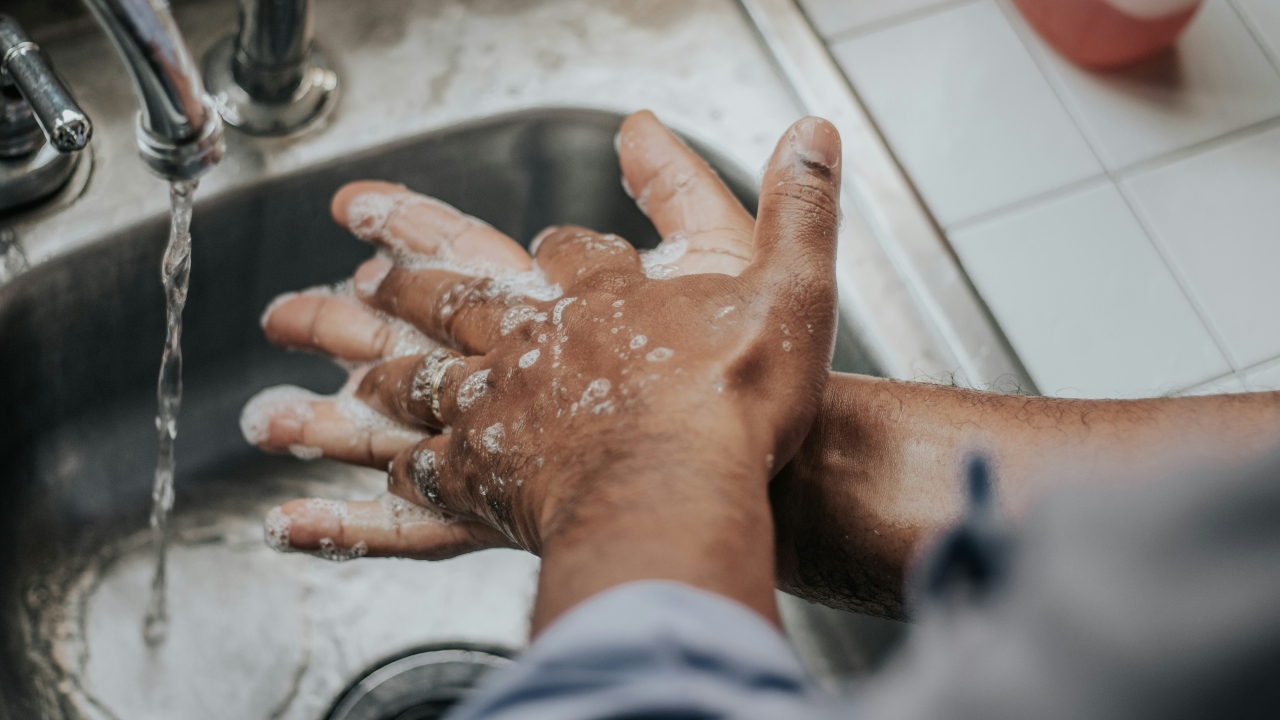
42	174
310	103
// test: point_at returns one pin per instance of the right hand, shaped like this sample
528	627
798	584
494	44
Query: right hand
675	188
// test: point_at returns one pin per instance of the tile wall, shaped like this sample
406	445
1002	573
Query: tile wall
1124	226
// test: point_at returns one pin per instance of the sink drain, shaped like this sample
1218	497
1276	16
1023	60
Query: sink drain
421	686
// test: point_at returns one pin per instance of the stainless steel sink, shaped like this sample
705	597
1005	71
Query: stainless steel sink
507	110
254	634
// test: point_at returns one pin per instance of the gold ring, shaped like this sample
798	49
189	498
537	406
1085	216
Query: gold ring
430	377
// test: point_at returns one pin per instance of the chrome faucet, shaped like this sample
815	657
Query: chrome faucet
269	77
42	130
179	132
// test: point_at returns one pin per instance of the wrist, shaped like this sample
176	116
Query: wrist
840	538
695	513
696	456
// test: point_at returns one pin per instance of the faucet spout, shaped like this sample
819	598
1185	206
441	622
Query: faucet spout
179	132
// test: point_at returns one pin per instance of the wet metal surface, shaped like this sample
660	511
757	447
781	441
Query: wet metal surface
450	98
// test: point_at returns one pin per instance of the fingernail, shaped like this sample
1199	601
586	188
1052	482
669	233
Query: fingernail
371	274
816	142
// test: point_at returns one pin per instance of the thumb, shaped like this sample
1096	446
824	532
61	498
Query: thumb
795	235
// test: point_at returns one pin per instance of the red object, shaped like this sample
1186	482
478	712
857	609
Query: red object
1108	33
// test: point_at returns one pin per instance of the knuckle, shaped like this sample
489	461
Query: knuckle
798	196
608	280
558	241
382	340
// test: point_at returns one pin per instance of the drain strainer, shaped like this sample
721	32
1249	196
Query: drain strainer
422	686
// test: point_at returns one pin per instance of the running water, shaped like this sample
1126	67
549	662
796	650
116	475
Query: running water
175	272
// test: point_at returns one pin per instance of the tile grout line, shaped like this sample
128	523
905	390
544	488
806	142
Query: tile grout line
1196	149
1117	176
1241	375
1267	364
1027	203
1197	385
1255	33
875	26
1176	272
1020	31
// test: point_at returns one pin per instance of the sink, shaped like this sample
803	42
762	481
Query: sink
507	110
253	633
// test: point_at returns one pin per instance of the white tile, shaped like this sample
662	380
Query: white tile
1264	16
1217	216
966	111
1227	385
832	17
1217	81
1086	301
1264	378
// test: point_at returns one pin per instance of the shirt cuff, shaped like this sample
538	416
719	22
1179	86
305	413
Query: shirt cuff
652	648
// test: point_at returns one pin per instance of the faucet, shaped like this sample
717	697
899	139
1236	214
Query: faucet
269	77
179	132
42	130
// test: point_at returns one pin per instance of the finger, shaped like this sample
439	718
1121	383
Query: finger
401	389
390	527
571	254
405	222
683	196
340	326
291	419
422	475
414	474
470	313
795	236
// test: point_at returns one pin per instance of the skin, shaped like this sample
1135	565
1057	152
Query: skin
875	478
641	454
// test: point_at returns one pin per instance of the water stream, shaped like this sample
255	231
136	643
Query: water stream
175	273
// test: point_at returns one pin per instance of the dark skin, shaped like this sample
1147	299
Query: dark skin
875	476
624	428
878	474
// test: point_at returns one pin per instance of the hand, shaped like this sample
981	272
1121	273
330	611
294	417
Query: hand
705	369
678	191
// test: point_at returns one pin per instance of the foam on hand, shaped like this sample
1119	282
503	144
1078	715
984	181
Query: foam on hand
472	389
659	354
367	214
365	419
275	530
659	263
493	437
400	513
330	551
255	419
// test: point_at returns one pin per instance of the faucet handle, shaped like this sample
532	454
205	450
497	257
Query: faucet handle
64	123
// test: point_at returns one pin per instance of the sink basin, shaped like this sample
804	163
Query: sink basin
254	634
506	110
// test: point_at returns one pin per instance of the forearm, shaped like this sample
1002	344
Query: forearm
880	469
